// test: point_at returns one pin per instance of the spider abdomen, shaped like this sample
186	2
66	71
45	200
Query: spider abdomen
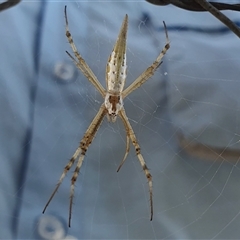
116	70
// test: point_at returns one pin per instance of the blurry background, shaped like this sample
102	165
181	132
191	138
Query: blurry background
47	104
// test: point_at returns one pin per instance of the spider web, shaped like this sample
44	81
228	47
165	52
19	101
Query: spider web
194	94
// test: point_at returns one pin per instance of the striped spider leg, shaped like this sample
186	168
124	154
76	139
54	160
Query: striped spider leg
112	106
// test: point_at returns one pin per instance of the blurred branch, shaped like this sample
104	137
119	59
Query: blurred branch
193	5
8	4
202	5
220	16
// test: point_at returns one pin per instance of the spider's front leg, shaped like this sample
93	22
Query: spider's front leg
131	135
80	62
149	72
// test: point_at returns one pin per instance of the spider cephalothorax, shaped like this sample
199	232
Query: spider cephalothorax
113	104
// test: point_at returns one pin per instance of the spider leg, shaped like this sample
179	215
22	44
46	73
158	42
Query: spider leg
81	64
130	133
66	169
81	150
150	70
126	153
73	180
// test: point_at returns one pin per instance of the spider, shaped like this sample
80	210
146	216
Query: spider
112	106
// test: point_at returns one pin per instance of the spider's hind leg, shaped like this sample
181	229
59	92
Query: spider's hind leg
126	153
66	169
131	134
